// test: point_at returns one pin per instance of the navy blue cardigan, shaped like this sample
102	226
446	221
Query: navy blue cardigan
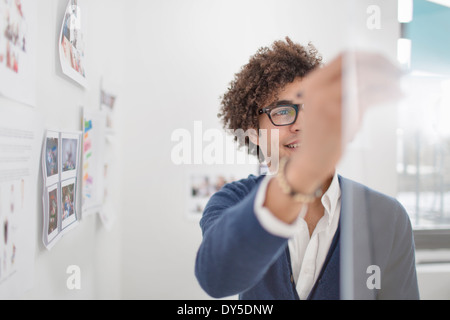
238	256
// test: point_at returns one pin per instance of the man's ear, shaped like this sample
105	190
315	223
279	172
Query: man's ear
253	136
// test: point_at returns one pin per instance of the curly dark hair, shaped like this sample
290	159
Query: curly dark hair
259	81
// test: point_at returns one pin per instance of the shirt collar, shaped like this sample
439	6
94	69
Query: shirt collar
330	199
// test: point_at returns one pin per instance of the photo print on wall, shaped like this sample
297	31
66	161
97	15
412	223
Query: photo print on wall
72	42
60	163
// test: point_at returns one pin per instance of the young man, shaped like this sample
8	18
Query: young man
278	236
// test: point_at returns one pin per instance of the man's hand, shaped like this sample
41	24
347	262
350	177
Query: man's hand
321	146
361	79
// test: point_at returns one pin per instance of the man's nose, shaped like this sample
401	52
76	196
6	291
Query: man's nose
296	126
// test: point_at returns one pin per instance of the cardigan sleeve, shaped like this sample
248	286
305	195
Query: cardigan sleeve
399	280
392	246
236	250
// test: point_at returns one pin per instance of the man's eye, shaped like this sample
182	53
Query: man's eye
283	112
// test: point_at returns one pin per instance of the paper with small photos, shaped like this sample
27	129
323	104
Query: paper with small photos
60	168
21	132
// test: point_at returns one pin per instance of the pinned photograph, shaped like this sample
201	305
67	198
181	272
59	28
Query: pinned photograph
200	189
70	144
52	157
52	214
69	154
68	202
72	43
107	103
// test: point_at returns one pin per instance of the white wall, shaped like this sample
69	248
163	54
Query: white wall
95	250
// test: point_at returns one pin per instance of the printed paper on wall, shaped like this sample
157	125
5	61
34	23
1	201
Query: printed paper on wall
18	20
94	126
108	101
20	141
72	42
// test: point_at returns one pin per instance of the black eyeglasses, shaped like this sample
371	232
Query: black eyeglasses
282	114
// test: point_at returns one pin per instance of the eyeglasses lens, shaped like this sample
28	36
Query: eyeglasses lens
283	115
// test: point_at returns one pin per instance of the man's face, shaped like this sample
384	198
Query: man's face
289	137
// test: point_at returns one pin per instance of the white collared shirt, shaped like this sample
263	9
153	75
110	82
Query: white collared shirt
307	253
